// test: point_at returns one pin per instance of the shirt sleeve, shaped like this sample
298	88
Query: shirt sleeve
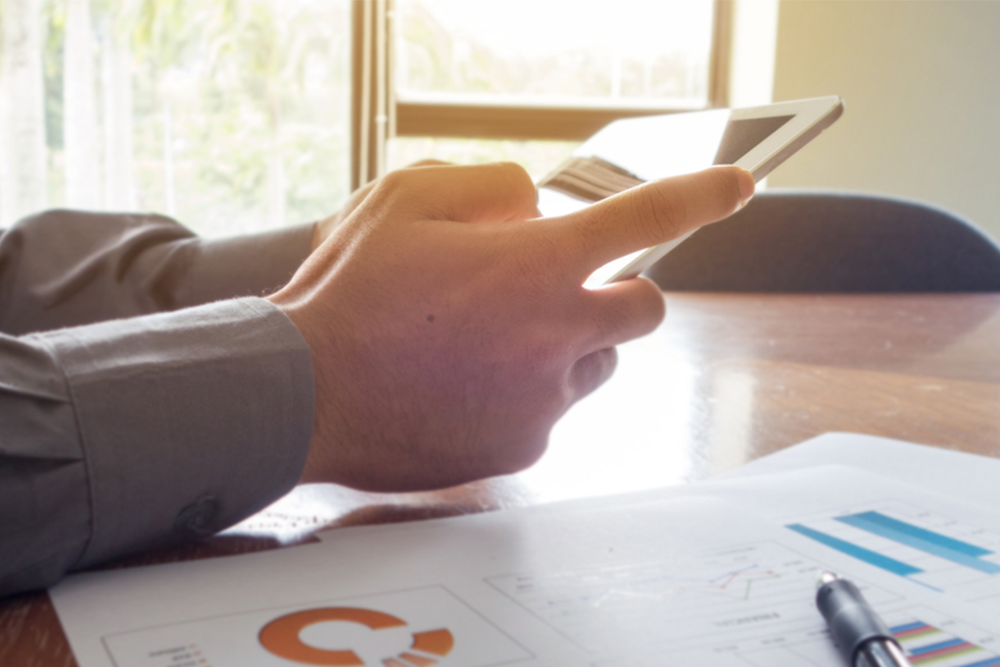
65	268
131	434
142	401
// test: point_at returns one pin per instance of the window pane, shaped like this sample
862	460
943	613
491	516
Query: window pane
626	52
537	157
231	115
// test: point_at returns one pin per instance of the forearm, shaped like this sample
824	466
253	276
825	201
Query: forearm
122	436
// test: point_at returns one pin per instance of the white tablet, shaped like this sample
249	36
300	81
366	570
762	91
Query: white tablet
629	152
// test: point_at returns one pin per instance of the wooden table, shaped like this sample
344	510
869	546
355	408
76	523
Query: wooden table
726	379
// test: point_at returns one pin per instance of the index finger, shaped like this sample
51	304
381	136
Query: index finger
651	214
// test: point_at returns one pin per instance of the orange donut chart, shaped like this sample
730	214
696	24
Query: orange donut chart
438	642
281	637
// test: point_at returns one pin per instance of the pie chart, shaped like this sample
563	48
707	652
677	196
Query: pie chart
281	637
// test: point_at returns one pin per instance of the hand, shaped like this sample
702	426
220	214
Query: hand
325	227
450	330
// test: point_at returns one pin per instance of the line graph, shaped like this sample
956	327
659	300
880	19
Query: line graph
743	592
743	580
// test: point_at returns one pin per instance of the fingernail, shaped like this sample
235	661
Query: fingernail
747	186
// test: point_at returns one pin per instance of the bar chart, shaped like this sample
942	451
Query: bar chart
934	551
927	636
926	644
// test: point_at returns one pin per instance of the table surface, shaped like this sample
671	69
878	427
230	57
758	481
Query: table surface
727	378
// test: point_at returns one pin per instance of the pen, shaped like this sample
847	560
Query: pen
861	635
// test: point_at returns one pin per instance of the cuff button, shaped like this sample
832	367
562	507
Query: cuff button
198	518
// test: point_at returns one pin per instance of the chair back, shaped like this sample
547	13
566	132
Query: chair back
824	241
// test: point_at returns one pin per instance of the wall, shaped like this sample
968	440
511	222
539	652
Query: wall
921	81
751	57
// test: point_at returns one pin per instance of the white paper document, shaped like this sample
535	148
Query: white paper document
966	476
721	574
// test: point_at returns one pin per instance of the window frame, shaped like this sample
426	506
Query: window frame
376	115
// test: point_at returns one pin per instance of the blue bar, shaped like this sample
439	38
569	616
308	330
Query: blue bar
877	519
870	557
988	662
927	541
930	648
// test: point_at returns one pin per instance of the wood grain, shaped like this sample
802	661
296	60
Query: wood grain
726	379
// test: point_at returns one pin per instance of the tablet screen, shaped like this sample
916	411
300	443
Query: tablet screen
629	153
742	135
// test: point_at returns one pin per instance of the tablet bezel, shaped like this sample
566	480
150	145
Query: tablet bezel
809	118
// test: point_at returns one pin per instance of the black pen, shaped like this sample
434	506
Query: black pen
861	635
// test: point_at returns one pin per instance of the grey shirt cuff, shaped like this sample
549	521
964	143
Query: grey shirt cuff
188	421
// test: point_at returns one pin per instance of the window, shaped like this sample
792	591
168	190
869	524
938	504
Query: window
231	115
524	78
238	115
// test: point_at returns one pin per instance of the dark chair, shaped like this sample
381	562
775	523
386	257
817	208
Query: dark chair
829	241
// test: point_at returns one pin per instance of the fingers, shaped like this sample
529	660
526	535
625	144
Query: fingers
593	370
651	214
611	316
497	192
619	313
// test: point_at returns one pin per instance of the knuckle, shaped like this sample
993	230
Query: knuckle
654	311
639	311
516	179
593	370
393	181
604	363
513	170
403	185
428	162
396	192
